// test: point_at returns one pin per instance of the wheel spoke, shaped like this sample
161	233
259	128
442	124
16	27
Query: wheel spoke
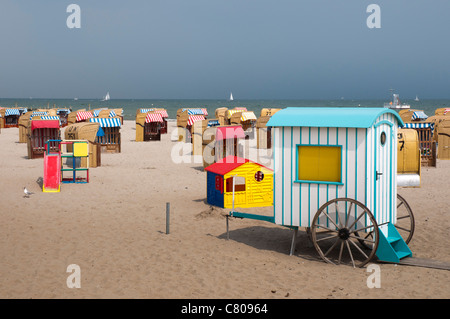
401	203
331	220
359	249
402	228
348	214
325	238
340	252
329	230
364	228
350	252
337	212
356	220
331	248
363	239
403	217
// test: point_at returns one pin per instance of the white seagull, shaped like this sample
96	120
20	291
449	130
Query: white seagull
27	192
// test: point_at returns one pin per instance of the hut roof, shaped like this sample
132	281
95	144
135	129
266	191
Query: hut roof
228	164
358	117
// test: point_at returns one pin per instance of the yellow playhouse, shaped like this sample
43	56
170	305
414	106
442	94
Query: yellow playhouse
253	183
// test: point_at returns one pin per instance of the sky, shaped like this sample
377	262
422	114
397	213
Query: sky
205	49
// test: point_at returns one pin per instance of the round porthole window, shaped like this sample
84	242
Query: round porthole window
259	176
383	138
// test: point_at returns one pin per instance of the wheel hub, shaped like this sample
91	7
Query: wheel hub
344	233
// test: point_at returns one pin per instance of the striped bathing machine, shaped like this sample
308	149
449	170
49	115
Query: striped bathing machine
335	173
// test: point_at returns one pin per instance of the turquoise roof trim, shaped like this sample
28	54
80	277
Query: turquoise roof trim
357	117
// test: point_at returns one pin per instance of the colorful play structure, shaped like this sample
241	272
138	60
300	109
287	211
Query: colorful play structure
86	131
335	173
237	182
72	152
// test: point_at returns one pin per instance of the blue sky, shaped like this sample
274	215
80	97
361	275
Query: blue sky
258	49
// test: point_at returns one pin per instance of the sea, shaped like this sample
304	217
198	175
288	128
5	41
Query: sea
130	106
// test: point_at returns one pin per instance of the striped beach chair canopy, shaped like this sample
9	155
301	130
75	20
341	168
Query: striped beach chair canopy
419	115
106	122
51	118
112	113
154	117
231	112
63	110
247	116
194	118
194	111
97	112
163	112
10	112
419	125
146	110
83	115
213	123
37	113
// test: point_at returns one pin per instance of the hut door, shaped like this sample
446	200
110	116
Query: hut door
383	204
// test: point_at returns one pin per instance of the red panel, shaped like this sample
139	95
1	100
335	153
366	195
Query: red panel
44	124
228	132
52	172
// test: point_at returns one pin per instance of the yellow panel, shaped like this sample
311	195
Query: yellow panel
319	163
408	151
80	149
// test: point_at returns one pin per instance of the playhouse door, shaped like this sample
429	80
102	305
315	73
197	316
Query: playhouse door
384	175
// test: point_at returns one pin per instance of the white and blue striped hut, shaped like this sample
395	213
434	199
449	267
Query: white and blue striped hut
326	153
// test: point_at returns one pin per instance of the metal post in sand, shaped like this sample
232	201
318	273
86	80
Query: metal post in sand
167	218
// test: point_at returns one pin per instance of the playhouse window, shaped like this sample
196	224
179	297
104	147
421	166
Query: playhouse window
239	184
259	176
319	164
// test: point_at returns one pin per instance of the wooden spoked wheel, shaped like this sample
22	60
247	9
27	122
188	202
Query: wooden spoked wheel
405	219
338	230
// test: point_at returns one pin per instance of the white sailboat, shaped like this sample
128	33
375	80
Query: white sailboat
231	97
416	99
107	97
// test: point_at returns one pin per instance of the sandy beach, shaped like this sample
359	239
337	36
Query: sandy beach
114	228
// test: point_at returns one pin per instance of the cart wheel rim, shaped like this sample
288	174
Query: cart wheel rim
405	219
339	232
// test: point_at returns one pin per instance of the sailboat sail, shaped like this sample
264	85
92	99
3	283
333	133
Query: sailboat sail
231	97
107	97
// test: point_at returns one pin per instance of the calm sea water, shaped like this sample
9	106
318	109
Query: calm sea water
130	106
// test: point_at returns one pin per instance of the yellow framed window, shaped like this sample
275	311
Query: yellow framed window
319	164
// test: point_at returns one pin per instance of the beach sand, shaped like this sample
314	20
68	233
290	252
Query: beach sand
114	228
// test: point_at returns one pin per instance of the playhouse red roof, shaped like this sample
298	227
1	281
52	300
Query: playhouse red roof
228	164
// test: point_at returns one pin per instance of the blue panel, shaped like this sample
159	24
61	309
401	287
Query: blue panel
356	117
392	248
213	196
